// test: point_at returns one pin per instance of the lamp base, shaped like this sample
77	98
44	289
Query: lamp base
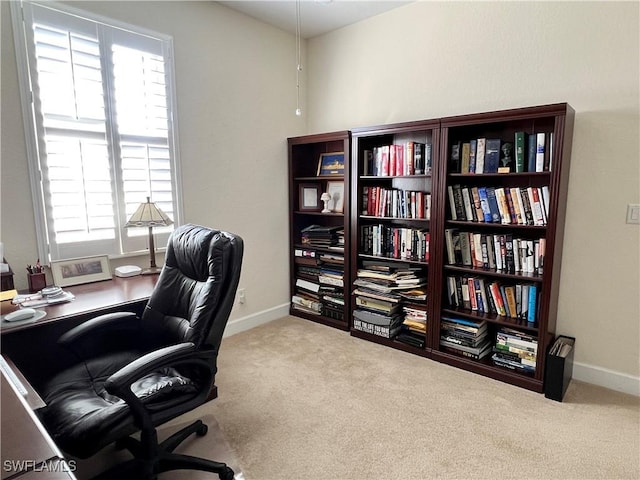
151	271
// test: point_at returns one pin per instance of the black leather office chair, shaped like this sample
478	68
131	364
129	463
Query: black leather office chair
134	374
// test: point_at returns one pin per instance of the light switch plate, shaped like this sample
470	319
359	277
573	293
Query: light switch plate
633	214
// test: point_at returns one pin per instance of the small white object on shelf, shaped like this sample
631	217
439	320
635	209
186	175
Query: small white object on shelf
128	271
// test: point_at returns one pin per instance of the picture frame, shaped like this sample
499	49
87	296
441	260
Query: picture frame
76	271
336	190
331	164
309	200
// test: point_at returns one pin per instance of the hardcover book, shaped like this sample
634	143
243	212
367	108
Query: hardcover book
520	152
480	152
492	155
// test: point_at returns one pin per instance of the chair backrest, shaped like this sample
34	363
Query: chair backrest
195	292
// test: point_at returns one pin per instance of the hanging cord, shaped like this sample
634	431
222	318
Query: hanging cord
298	59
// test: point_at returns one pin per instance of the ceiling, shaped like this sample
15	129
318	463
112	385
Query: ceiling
316	16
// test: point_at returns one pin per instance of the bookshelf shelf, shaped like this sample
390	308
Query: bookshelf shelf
319	269
492	273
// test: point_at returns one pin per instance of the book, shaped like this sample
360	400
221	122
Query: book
419	151
454	159
473	146
493	205
452	203
480	152
469	210
475	200
531	153
492	155
520	152
464	161
540	152
533	299
484	204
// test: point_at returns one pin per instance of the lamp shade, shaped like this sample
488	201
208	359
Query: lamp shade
148	215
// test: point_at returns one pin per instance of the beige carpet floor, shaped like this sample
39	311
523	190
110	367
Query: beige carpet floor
298	400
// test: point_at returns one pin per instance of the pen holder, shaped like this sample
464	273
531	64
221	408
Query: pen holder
37	281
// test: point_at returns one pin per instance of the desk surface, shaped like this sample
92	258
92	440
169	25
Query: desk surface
92	298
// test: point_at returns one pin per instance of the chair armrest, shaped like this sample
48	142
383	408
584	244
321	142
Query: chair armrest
146	364
119	383
91	335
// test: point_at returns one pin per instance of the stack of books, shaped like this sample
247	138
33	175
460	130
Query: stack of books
379	303
319	288
465	337
414	325
515	350
321	236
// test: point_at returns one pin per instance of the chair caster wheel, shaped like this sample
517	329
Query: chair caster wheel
227	474
202	431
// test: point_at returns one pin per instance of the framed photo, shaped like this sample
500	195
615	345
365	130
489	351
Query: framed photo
310	197
331	164
336	190
76	271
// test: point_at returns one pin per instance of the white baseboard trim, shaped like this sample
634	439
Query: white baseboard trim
241	324
603	377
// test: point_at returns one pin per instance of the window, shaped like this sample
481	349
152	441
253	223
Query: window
99	102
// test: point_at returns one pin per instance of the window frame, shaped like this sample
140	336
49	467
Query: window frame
127	245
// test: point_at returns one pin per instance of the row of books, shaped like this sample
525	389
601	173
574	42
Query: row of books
396	203
411	158
395	242
388	300
504	205
496	252
515	350
465	337
525	153
481	295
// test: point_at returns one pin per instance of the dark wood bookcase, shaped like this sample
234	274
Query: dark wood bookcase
391	216
526	240
313	264
555	123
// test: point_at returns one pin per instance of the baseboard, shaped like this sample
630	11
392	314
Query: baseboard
241	324
604	377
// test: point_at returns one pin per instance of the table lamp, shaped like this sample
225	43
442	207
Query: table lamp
149	215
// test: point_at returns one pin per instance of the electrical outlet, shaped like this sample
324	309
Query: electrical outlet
241	295
633	214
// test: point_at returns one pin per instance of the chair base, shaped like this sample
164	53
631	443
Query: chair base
162	459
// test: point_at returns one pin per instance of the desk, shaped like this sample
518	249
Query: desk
21	342
27	449
94	299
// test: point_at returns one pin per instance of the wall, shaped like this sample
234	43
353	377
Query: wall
235	82
434	59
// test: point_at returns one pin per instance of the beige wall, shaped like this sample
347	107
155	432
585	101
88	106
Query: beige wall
236	94
433	59
235	82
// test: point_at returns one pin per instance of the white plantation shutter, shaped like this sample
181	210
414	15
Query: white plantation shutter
102	121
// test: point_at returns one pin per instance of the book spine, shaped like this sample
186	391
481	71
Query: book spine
464	161
520	151
531	153
480	153
540	152
533	297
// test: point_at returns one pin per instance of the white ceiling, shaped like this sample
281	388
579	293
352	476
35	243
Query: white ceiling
316	16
